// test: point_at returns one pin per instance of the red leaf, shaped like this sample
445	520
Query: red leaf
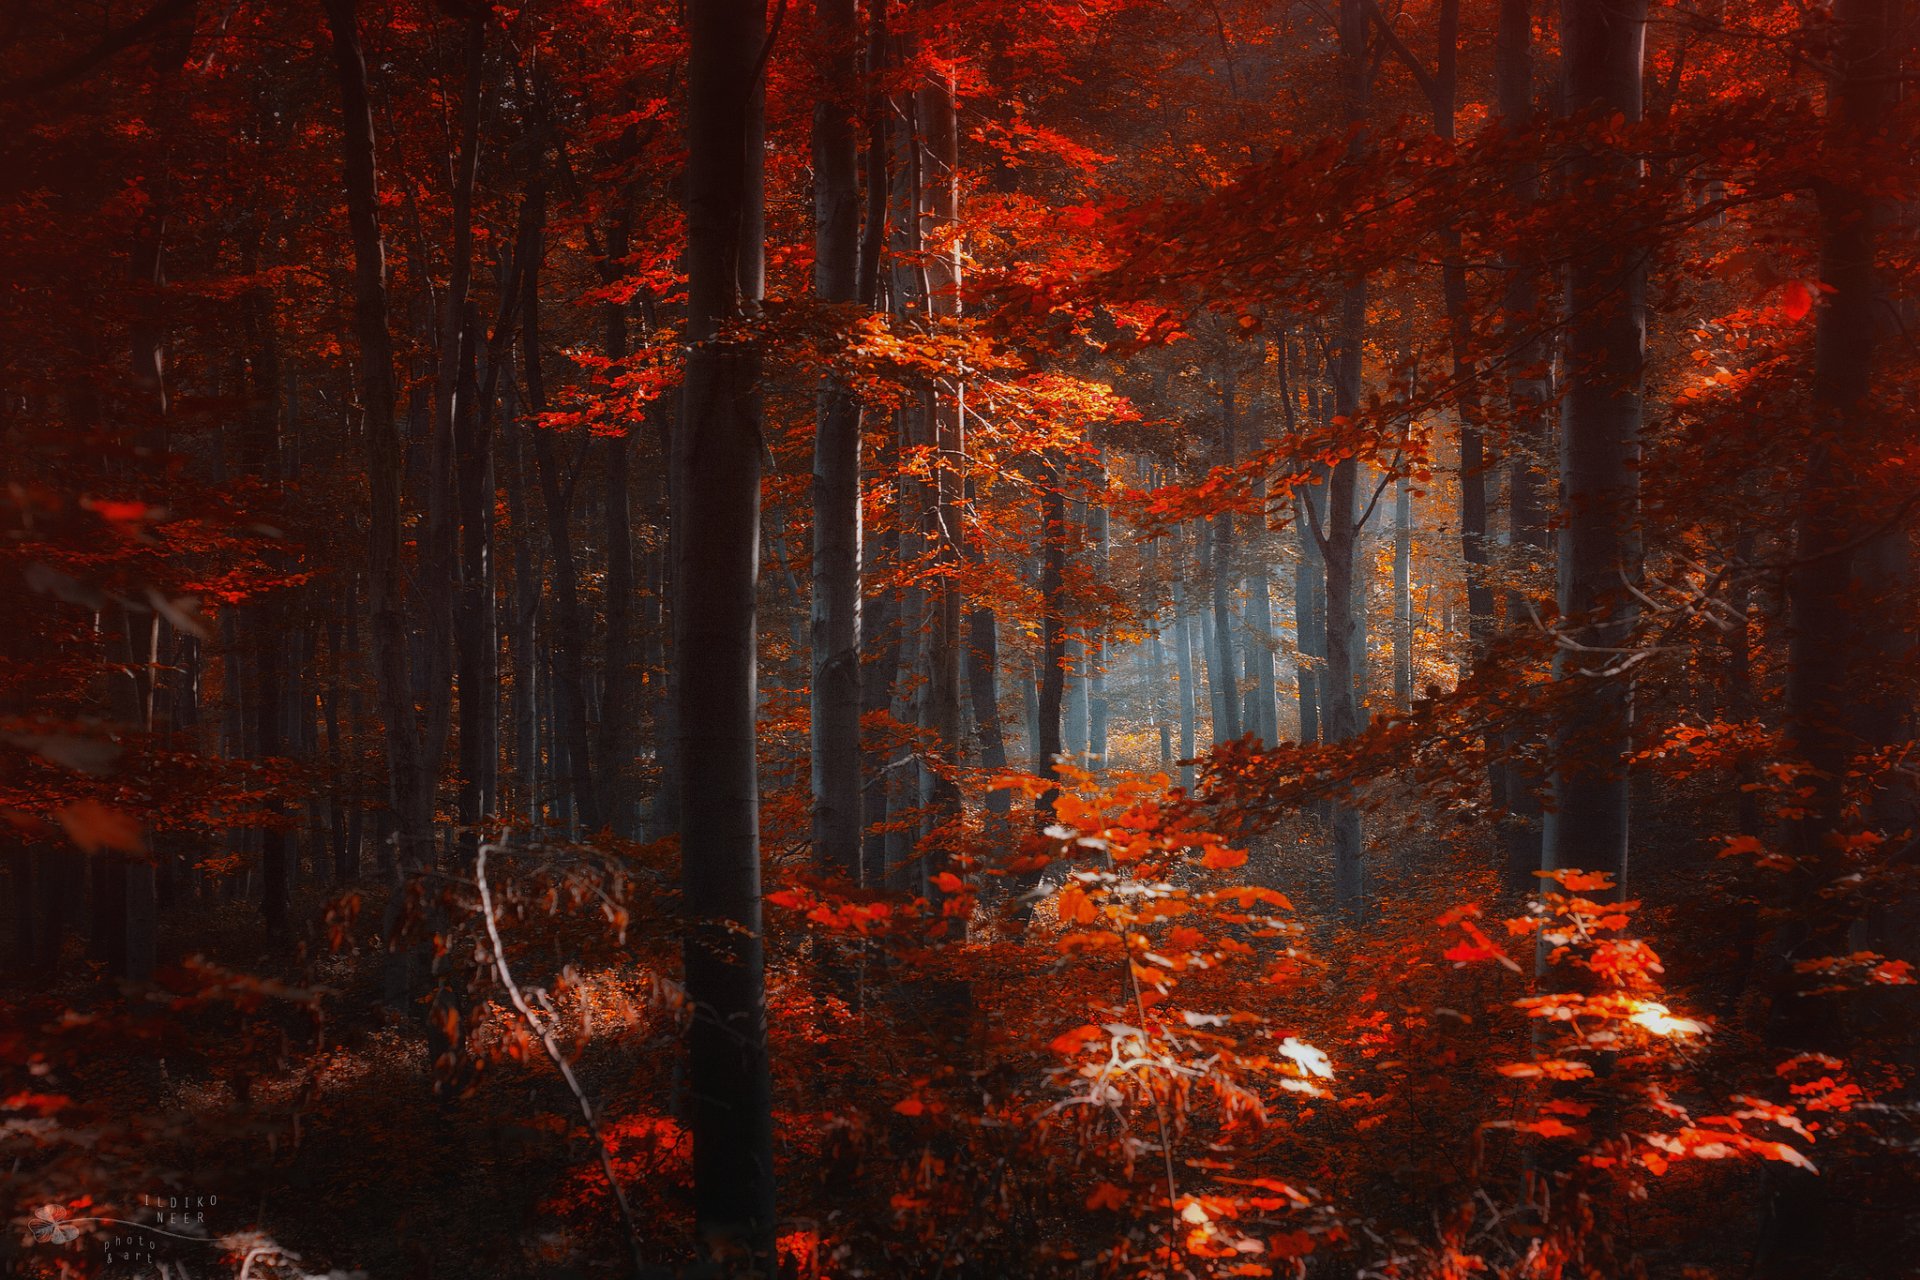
1796	300
94	827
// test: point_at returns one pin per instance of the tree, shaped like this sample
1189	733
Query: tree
1586	828
836	465
716	462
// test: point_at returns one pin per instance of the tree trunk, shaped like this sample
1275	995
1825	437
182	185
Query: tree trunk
1526	445
457	580
1184	668
1838	619
836	470
1402	594
1265	722
1053	640
1075	730
1309	615
410	790
1098	527
556	490
716	467
620	710
1599	452
940	186
1338	550
1227	685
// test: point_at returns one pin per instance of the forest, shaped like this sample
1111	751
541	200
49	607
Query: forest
957	640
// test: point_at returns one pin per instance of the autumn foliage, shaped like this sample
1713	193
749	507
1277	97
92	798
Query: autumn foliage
1319	679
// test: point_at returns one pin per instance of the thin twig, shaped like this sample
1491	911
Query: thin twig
552	1047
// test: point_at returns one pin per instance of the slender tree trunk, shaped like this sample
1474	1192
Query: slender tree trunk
1453	288
1265	722
523	634
1156	676
1338	549
880	663
1227	695
716	465
1053	639
477	621
476	634
460	582
620	712
267	618
983	680
1075	730
1402	594
1098	528
1184	669
1030	700
1606	339
836	470
1309	620
940	186
410	789
1526	446
556	489
880	626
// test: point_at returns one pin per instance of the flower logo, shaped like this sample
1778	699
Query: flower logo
49	1225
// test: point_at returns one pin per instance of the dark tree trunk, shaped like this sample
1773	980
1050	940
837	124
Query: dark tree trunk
1098	529
945	527
1309	617
1841	631
1402	594
556	490
880	662
523	635
620	710
411	791
836	470
716	465
1222	667
266	620
478	622
1228	693
1339	554
1599	451
1526	448
1053	636
1189	678
1265	720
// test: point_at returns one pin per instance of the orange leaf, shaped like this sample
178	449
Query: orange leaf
1107	1196
1075	907
1548	1128
1579	881
1221	859
1071	1041
910	1106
